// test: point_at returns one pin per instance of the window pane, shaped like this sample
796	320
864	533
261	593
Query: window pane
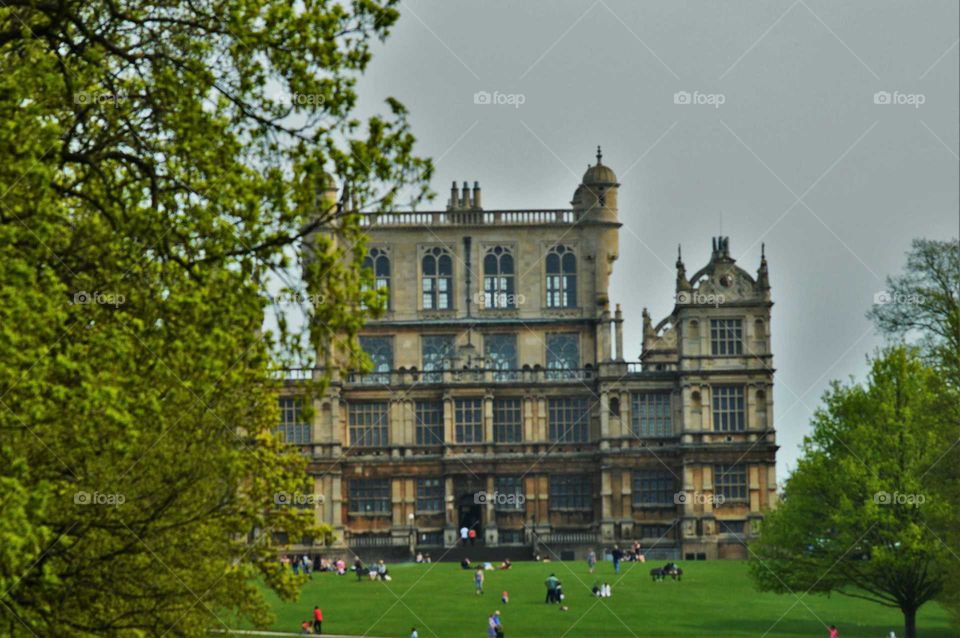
436	351
654	488
728	408
293	426
429	495
368	496
726	336
429	422
368	424
651	414
730	482
569	420
509	496
563	355
468	420
380	351
501	354
570	491
507	420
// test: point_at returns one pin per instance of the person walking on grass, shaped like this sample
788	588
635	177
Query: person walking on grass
478	580
833	632
591	559
317	620
617	557
491	627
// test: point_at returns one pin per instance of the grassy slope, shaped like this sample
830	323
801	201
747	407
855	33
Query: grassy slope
715	599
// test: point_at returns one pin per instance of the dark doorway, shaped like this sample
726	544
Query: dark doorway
470	516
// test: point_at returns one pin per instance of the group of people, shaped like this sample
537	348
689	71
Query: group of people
468	534
423	558
306	565
375	571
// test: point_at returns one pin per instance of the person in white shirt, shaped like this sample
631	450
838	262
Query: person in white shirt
464	533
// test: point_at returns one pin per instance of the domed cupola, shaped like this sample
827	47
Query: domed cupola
596	196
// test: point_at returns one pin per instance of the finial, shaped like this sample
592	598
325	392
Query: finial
763	254
599	155
679	254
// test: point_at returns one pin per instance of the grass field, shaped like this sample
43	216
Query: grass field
715	600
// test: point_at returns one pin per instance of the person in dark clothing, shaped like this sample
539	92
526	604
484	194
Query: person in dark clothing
358	567
617	557
552	583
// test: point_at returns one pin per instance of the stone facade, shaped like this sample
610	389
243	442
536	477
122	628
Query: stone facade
500	398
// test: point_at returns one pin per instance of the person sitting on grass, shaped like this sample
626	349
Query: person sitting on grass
465	563
506	564
305	628
358	567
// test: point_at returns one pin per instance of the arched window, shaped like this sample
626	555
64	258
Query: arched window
378	261
561	277
437	281
498	289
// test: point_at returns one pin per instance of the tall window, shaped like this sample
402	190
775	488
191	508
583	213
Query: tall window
569	420
368	496
650	414
293	427
498	287
380	351
429	421
437	282
368	424
501	355
563	355
561	277
378	261
728	410
429	495
730	482
653	488
436	351
570	492
468	419
726	336
509	493
507	420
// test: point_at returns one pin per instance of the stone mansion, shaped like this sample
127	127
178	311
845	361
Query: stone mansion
499	398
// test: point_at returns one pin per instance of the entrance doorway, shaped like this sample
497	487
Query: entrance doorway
470	513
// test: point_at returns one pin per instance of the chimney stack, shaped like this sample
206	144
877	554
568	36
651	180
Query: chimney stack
476	196
465	197
453	205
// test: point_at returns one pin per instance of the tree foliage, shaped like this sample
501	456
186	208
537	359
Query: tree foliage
856	514
158	162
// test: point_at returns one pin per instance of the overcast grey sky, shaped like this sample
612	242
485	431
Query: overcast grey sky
799	154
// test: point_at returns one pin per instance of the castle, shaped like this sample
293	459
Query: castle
499	398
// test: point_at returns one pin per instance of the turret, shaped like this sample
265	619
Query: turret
596	197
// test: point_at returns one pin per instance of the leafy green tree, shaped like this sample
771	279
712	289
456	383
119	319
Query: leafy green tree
855	515
158	164
923	306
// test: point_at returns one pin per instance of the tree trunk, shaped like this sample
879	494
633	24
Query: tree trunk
909	623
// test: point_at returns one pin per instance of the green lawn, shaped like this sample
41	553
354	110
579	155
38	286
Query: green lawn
715	600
